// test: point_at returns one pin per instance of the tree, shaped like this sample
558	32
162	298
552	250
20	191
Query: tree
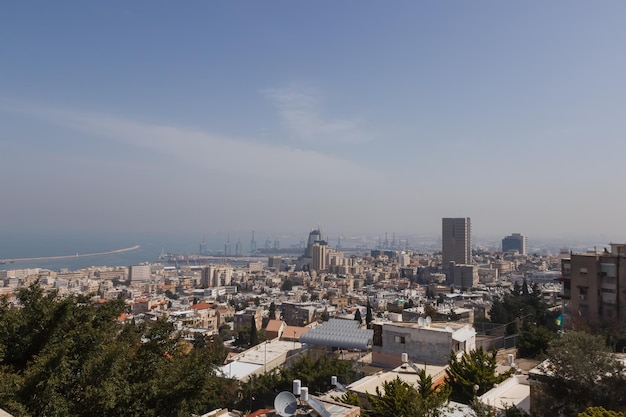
430	311
600	412
254	336
368	314
287	285
402	399
74	358
580	372
472	375
260	390
325	316
397	399
272	311
357	316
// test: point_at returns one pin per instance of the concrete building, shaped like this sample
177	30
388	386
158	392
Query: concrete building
245	317
515	242
594	286
216	276
274	262
319	257
138	273
456	240
429	344
464	276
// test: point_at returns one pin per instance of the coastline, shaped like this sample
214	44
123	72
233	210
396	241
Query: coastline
82	255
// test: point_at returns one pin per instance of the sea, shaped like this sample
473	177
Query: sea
150	248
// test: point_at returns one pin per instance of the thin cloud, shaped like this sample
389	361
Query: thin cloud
217	153
299	112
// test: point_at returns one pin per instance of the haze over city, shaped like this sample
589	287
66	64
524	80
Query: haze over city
227	117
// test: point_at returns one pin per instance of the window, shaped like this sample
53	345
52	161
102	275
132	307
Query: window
608	270
583	293
399	339
583	271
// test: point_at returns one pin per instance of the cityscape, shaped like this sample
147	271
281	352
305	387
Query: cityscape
324	209
398	301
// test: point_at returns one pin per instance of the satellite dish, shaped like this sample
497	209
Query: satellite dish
286	404
449	329
420	321
428	320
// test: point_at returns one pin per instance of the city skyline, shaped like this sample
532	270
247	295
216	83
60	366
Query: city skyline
153	118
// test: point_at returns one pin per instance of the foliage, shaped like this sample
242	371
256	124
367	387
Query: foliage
287	285
514	411
325	316
472	375
600	412
581	372
248	335
71	357
525	312
398	398
368	314
272	311
430	311
534	340
357	316
260	390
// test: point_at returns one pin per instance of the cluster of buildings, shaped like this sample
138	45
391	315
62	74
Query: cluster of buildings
424	304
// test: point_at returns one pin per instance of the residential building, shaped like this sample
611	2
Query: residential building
456	241
319	259
429	344
216	276
594	286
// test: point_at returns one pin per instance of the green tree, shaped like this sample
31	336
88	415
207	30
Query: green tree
600	412
398	398
357	316
254	336
368	314
70	356
582	372
287	285
472	375
272	311
325	316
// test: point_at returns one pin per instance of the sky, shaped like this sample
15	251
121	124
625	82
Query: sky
360	116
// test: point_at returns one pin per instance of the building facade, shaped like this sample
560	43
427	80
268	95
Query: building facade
515	242
456	240
594	286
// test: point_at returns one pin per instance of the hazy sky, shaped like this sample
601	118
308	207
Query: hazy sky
227	116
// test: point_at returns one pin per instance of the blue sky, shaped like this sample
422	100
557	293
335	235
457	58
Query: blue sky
222	117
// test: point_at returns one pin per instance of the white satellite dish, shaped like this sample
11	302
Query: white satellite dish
420	321
286	404
428	321
449	329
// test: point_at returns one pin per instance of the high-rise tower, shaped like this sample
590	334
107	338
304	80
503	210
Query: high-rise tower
456	240
516	242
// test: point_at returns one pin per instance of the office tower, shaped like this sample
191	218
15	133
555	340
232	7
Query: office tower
456	241
515	242
593	287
